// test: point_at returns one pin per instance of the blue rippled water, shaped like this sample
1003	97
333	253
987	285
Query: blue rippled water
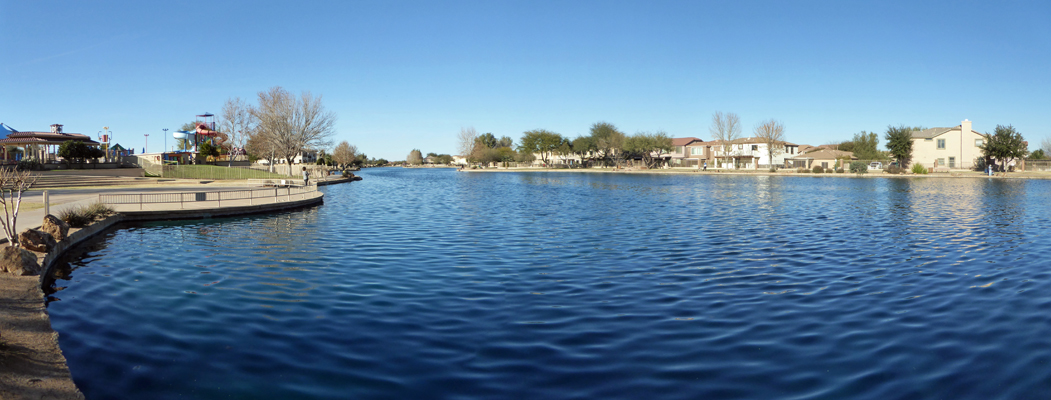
419	284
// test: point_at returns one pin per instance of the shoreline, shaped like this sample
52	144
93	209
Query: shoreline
941	175
32	365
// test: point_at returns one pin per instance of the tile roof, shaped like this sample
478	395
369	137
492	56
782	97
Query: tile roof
825	154
684	141
931	132
46	137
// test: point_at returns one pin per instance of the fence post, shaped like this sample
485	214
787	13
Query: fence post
140	201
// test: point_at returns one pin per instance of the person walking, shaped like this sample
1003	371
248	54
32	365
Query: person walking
705	165
306	176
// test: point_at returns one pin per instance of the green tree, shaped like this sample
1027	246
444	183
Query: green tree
899	142
207	149
608	141
1038	155
505	142
73	151
866	145
584	146
415	157
648	146
1004	145
488	140
858	167
444	159
540	141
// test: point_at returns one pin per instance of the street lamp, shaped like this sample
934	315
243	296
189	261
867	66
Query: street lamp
165	149
147	144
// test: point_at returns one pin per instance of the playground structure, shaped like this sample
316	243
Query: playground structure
204	131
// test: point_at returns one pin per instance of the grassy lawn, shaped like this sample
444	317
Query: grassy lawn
217	173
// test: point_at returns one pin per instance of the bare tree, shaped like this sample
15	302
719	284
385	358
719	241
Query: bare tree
238	123
466	140
1045	145
772	133
12	184
344	153
293	124
726	128
262	146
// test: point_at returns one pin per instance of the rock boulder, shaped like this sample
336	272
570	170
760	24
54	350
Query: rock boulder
56	227
36	240
18	261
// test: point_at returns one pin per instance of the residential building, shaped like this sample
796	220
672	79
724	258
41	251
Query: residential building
954	148
687	152
750	153
823	157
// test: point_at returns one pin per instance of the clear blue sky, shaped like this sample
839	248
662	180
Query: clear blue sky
407	74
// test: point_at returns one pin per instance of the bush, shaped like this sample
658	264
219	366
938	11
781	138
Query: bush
839	171
28	164
858	167
817	169
893	169
802	170
79	217
918	169
979	164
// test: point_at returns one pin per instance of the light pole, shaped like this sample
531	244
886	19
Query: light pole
147	144
165	150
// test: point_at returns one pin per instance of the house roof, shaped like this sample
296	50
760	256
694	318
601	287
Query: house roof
684	141
825	154
30	137
749	140
934	132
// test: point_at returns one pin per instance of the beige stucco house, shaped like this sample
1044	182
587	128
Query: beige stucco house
953	148
819	156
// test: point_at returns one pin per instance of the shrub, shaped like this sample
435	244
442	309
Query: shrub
919	169
802	170
78	217
858	167
817	169
839	171
979	164
74	217
893	169
28	164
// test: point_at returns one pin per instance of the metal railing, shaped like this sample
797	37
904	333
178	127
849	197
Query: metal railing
197	199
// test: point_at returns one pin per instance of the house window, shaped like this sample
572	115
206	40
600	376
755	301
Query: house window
978	142
696	151
952	162
941	144
939	162
824	164
755	147
740	147
678	149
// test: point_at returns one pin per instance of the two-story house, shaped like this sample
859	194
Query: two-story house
954	148
750	153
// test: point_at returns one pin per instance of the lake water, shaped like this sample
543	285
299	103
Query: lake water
417	284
